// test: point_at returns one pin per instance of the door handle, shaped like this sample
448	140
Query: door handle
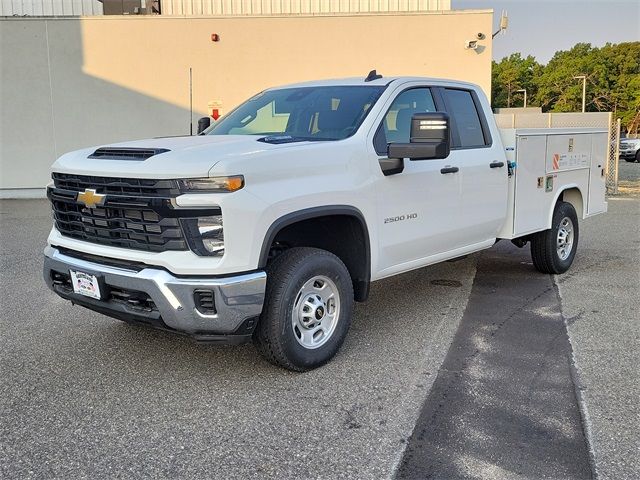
496	165
449	170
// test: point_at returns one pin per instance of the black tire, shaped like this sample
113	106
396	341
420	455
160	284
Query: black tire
638	156
275	337
544	251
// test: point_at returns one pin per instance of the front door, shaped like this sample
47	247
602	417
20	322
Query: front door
437	209
415	207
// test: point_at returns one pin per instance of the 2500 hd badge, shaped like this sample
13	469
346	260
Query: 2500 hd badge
410	216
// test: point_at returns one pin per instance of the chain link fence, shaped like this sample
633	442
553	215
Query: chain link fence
611	171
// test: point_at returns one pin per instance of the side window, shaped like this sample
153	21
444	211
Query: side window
396	126
463	110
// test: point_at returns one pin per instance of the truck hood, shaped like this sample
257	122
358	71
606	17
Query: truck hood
186	157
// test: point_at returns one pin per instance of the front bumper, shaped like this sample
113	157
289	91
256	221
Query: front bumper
624	154
163	300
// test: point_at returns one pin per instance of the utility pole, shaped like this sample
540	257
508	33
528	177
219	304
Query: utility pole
190	101
584	90
525	96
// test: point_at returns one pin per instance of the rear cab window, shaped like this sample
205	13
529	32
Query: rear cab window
469	126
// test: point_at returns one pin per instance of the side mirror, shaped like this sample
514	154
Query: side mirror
203	124
429	138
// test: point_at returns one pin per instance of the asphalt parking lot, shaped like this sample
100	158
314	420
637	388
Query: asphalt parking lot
85	396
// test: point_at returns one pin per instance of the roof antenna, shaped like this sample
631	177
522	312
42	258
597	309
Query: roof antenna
373	75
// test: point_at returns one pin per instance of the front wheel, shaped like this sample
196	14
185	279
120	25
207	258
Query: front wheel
307	310
553	250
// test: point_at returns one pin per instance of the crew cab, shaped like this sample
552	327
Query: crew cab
271	223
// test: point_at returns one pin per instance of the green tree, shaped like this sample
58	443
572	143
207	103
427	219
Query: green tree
558	90
613	81
511	74
617	84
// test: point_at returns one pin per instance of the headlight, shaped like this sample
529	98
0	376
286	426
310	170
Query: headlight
212	234
205	235
213	184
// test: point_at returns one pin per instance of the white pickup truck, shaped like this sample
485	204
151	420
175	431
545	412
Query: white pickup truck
269	224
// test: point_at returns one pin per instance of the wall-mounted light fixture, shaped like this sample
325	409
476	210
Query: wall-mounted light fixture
471	44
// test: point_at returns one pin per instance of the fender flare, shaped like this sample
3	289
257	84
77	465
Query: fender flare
315	212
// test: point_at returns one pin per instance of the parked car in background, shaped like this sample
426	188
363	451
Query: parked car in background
630	149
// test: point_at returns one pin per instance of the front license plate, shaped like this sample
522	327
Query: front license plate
85	284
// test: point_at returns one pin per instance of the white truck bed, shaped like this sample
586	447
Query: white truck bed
547	162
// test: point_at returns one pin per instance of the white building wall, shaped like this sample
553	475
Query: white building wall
49	8
298	7
72	82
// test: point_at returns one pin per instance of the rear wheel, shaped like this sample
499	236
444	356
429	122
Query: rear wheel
307	310
553	250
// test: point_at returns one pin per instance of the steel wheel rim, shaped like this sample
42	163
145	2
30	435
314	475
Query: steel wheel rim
564	241
316	312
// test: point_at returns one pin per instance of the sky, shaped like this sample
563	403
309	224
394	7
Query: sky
541	27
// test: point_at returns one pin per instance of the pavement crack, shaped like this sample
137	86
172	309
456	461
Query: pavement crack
351	422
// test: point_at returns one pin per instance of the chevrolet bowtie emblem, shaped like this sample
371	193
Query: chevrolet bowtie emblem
90	198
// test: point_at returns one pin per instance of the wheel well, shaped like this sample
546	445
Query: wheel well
344	235
574	197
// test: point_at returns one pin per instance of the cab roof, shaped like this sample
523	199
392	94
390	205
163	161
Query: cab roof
383	81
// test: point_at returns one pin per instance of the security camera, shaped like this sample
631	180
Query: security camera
471	44
480	36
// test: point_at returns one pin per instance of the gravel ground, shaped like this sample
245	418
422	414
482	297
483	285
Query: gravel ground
629	178
600	305
85	396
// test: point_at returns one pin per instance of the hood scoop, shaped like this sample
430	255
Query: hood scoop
124	153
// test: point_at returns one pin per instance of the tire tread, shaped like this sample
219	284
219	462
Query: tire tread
279	273
543	244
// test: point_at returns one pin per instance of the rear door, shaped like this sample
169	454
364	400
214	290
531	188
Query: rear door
482	169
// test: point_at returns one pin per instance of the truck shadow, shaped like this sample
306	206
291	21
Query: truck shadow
406	305
504	401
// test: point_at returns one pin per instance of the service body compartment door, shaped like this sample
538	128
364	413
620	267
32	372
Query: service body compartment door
567	152
531	203
550	161
597	181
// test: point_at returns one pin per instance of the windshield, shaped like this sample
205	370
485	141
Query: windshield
303	113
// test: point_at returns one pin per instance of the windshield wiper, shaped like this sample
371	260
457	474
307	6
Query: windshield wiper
277	139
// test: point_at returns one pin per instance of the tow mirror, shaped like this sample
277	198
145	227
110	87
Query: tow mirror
203	124
429	138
